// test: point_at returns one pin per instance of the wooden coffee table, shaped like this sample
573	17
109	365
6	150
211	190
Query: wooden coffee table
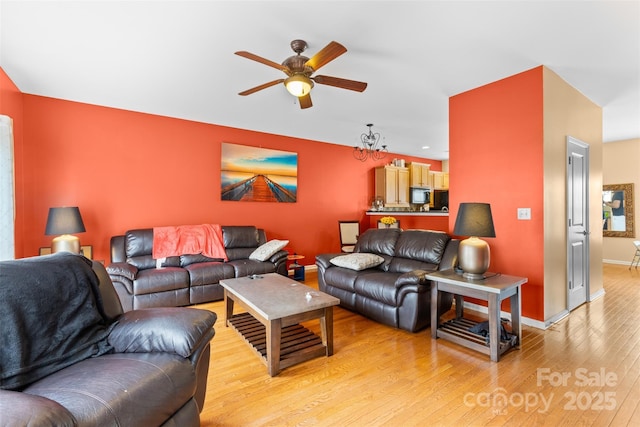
275	305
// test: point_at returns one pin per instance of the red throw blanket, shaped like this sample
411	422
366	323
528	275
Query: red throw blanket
205	239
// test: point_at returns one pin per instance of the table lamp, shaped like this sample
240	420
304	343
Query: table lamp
474	220
64	222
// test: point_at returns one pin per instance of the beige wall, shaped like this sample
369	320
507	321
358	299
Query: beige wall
621	165
568	113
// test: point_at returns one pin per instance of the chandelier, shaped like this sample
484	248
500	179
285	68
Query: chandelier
369	146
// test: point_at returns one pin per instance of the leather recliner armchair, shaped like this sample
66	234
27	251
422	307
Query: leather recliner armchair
153	372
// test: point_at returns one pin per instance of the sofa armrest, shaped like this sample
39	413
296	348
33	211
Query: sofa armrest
122	269
279	257
450	257
324	260
23	409
416	282
178	330
411	278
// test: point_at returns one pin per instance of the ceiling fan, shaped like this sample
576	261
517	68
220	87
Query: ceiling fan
299	70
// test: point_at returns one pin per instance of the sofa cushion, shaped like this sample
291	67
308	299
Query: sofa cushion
145	262
341	278
357	261
208	273
23	409
189	259
240	236
132	389
138	242
422	245
266	251
378	241
405	265
380	286
139	247
160	279
245	267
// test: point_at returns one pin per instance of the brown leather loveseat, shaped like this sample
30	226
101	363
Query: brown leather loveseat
384	279
70	356
190	278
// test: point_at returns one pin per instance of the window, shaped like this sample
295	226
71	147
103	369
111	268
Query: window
7	200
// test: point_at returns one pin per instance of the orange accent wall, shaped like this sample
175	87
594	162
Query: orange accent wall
130	170
496	135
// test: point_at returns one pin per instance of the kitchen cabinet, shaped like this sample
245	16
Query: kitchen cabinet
392	185
419	174
439	180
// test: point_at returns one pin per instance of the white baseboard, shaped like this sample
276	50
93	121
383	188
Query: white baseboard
616	261
558	317
594	296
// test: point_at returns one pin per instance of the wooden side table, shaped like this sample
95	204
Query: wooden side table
493	289
298	270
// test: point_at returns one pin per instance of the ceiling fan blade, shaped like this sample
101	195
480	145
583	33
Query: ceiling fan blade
341	83
262	60
326	54
262	86
305	101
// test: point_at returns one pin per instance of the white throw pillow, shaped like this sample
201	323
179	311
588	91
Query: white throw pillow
267	250
357	261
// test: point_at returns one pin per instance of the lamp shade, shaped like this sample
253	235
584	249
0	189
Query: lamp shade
474	219
65	220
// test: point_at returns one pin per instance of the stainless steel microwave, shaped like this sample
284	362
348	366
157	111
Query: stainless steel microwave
418	196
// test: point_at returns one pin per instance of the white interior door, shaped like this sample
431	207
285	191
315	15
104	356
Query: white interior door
577	222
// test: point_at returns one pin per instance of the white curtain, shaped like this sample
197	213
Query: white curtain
7	191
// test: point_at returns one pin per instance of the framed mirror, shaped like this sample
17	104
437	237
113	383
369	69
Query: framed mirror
617	210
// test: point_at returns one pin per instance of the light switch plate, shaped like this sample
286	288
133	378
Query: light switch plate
524	213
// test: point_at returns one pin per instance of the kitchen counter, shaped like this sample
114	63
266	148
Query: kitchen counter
430	220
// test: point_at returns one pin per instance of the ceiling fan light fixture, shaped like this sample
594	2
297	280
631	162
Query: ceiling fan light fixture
298	85
299	70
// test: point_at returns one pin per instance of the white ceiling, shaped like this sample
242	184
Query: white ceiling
176	58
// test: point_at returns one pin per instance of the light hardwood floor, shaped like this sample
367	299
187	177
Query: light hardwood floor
584	370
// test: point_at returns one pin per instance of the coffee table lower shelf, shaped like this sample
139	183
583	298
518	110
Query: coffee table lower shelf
457	331
297	343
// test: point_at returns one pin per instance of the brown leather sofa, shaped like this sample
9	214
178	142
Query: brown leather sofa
100	366
394	292
186	279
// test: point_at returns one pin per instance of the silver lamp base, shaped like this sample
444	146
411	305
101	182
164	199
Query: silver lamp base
473	258
65	243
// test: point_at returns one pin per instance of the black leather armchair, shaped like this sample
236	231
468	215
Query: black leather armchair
154	371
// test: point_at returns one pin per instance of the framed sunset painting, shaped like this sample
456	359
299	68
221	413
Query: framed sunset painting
252	174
